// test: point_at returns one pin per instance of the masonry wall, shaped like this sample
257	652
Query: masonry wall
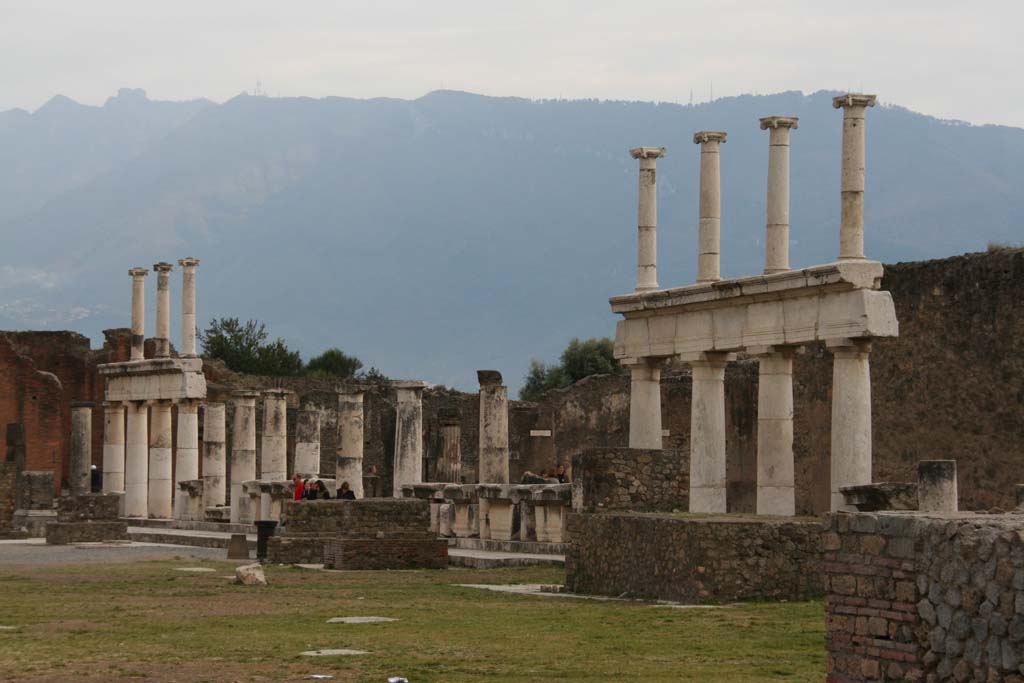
693	559
631	479
924	598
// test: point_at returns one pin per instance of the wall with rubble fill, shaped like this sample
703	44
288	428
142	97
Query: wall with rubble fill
631	479
924	597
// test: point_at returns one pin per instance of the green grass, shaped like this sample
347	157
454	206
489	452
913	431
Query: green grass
145	621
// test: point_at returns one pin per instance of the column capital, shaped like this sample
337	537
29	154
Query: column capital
846	344
245	395
163	267
277	393
773	350
350	391
779	122
113	405
704	136
188	262
853	100
647	152
159	402
138	272
642	362
709	357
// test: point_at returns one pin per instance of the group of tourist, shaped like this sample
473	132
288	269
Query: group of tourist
557	472
315	489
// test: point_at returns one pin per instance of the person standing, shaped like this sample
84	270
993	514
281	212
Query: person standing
300	487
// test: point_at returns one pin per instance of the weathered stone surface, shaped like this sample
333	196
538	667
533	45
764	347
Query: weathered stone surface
250	575
62	533
631	479
887	495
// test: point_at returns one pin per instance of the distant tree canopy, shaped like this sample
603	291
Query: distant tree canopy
334	363
580	359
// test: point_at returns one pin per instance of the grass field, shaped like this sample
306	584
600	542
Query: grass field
145	621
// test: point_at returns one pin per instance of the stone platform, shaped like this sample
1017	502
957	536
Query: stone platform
86	518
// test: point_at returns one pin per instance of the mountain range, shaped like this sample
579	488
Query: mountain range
437	236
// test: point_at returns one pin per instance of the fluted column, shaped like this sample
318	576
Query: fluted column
80	465
243	454
138	312
707	434
188	306
493	455
349	454
851	227
274	457
136	460
162	340
408	463
160	462
214	456
777	229
113	447
775	469
647	218
709	231
851	416
644	403
186	455
307	441
449	463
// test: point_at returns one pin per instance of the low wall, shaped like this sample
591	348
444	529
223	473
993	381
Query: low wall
694	559
630	479
386	553
920	597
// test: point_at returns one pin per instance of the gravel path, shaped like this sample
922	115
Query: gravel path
36	552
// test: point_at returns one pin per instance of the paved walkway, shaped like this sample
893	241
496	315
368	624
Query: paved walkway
34	551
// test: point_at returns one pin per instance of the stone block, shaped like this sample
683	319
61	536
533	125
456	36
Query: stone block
63	533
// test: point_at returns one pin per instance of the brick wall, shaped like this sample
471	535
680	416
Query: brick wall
694	559
631	479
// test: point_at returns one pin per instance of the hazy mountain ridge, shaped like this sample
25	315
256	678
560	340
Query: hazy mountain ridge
432	237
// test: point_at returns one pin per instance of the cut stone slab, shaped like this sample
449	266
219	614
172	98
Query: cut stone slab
250	575
333	653
195	569
360	620
15	628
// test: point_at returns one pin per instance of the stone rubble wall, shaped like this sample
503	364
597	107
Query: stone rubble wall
631	479
385	553
8	491
916	597
694	559
88	507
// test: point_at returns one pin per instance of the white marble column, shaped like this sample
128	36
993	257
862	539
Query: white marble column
188	306
644	403
214	456
851	227
80	464
449	461
709	234
647	218
707	434
777	228
186	453
136	460
243	454
160	462
408	463
775	469
274	456
138	312
113	447
162	340
349	454
307	441
851	416
493	455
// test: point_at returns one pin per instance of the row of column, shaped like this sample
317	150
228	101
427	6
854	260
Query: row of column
162	340
851	398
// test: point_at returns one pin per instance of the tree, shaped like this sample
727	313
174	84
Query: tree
241	347
580	359
334	363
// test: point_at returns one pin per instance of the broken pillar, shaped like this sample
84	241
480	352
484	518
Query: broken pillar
408	463
307	442
214	460
80	466
449	462
274	457
349	454
936	486
493	455
243	454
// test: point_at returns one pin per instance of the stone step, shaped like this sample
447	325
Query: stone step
191	526
489	559
198	539
531	547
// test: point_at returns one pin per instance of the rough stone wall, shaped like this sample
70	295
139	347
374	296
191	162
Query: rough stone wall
89	506
8	479
385	553
924	598
631	479
366	518
694	559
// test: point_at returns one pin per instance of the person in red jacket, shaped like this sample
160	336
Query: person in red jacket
300	487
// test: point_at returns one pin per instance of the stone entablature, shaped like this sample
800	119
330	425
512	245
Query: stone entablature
167	379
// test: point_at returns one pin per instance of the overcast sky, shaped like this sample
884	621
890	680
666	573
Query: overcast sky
948	59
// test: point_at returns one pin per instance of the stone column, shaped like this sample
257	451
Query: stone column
449	463
644	403
408	464
851	227
936	486
138	312
161	486
851	416
243	453
188	306
349	455
307	442
647	218
709	239
162	340
113	447
136	460
707	434
214	460
775	470
186	455
275	435
81	448
493	428
777	237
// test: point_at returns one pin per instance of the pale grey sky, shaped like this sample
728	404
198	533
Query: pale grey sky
948	59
